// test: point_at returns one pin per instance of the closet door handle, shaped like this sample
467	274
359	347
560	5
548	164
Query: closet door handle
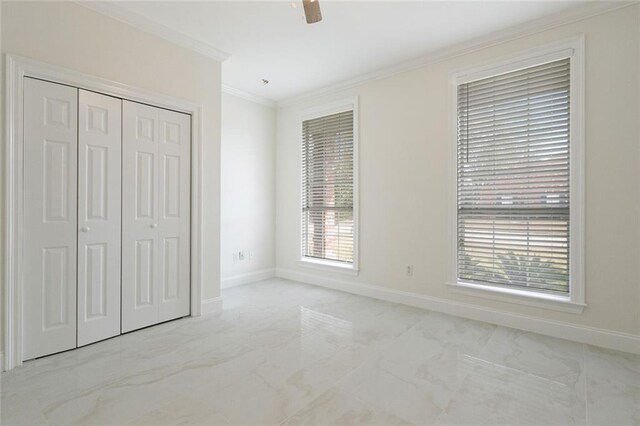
154	225
85	229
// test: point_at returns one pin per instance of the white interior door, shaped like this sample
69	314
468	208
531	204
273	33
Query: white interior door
155	215
139	216
50	223
175	211
99	201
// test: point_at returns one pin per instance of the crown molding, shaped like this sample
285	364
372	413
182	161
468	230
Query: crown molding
572	15
142	23
576	14
248	96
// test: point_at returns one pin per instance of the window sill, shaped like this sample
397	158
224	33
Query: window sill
328	265
521	297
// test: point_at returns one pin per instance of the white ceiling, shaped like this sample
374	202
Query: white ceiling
270	39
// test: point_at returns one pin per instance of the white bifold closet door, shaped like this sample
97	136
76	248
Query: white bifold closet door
99	224
50	206
155	215
72	152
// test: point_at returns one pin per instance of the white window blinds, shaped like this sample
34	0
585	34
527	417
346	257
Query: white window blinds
513	179
327	187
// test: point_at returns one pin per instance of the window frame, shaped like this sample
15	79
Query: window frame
348	104
574	302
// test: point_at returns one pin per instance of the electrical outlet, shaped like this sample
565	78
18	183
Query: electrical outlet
241	255
235	256
250	255
409	270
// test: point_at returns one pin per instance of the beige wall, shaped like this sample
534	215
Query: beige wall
406	130
248	187
74	37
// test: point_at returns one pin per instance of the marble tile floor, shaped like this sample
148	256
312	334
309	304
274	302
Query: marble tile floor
283	352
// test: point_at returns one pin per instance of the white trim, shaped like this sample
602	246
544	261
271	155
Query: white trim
348	104
248	96
13	215
328	108
572	48
140	22
520	297
16	69
576	14
250	277
536	56
579	333
212	305
327	265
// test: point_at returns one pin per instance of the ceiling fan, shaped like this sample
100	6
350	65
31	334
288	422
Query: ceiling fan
312	11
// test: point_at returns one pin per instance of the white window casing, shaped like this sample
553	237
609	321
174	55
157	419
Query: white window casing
517	181
328	213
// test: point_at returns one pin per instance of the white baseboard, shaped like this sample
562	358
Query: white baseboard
593	336
236	280
211	305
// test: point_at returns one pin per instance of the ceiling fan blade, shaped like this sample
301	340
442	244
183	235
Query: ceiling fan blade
312	11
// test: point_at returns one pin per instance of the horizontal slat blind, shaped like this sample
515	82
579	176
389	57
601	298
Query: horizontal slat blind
513	179
327	187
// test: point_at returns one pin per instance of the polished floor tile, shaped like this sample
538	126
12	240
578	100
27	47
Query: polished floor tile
282	352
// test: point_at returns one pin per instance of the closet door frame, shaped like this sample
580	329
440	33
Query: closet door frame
17	68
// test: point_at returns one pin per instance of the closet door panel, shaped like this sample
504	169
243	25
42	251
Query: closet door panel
50	188
99	223
156	215
140	216
174	151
